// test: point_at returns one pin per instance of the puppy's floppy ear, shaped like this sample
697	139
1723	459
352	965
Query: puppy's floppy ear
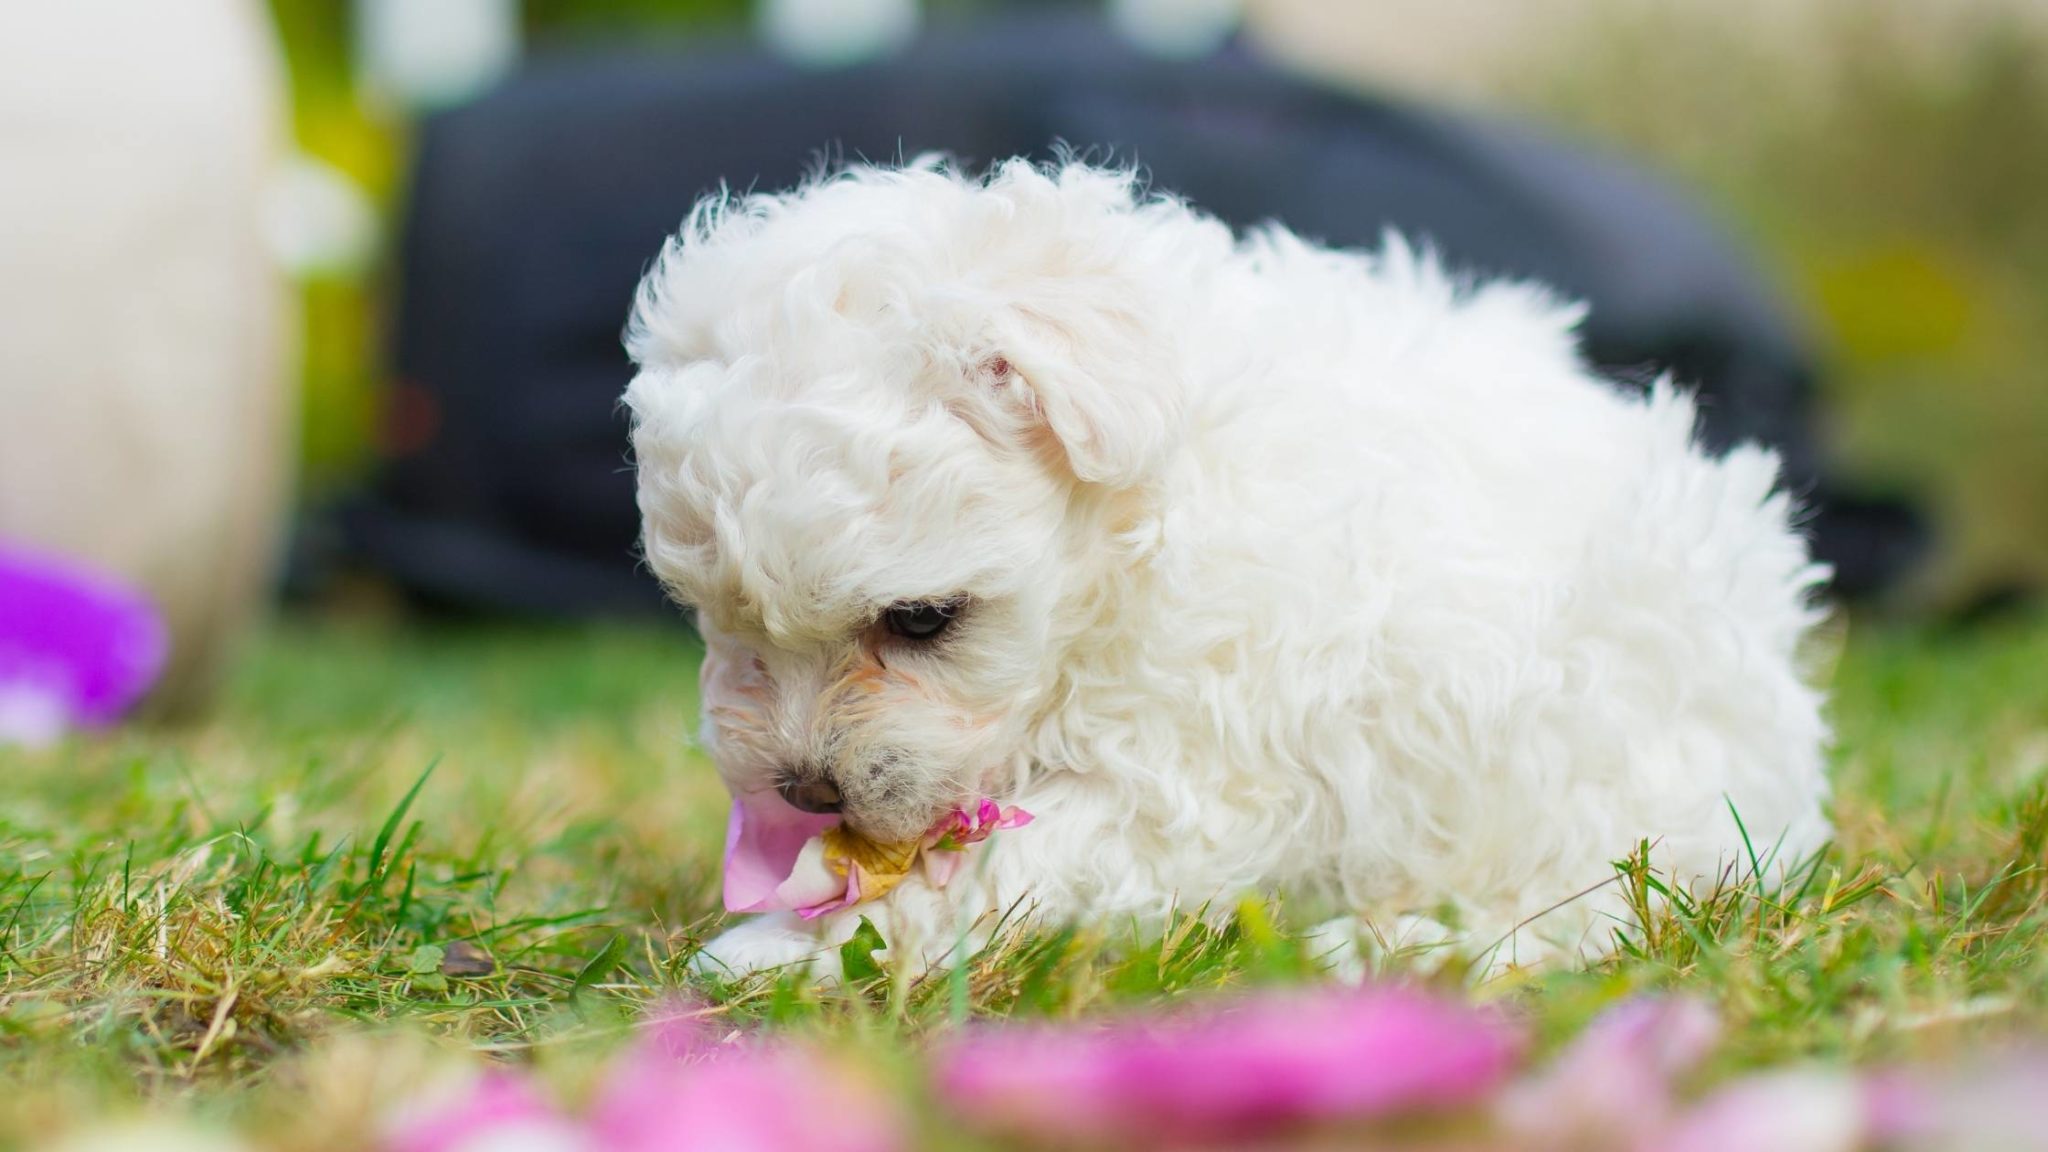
1100	379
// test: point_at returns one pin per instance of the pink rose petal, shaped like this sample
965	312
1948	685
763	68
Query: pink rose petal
763	840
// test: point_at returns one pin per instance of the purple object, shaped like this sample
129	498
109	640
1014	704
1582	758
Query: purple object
77	647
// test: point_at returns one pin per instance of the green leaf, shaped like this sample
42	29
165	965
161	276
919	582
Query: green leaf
857	963
599	966
396	818
426	958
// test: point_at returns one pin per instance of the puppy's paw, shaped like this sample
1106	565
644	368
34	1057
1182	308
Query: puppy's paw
766	943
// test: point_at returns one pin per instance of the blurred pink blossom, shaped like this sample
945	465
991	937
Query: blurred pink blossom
1995	1103
684	1089
1615	1085
1797	1110
680	1088
1251	1068
498	1112
1300	1070
767	1098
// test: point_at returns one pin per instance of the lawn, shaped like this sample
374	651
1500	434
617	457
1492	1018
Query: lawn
397	848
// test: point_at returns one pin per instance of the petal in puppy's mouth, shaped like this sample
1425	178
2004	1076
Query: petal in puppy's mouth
778	858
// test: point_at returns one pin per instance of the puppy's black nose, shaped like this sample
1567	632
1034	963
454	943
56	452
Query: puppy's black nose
819	796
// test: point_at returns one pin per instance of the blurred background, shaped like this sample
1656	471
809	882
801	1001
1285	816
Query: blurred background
324	297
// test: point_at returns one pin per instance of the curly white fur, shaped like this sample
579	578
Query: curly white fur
1283	568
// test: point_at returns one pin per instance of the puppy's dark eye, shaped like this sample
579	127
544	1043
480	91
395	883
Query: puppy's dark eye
920	620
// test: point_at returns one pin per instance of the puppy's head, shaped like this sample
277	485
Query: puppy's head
889	432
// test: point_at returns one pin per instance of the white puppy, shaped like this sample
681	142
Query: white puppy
1243	564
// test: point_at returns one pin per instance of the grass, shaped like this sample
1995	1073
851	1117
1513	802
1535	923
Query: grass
392	850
